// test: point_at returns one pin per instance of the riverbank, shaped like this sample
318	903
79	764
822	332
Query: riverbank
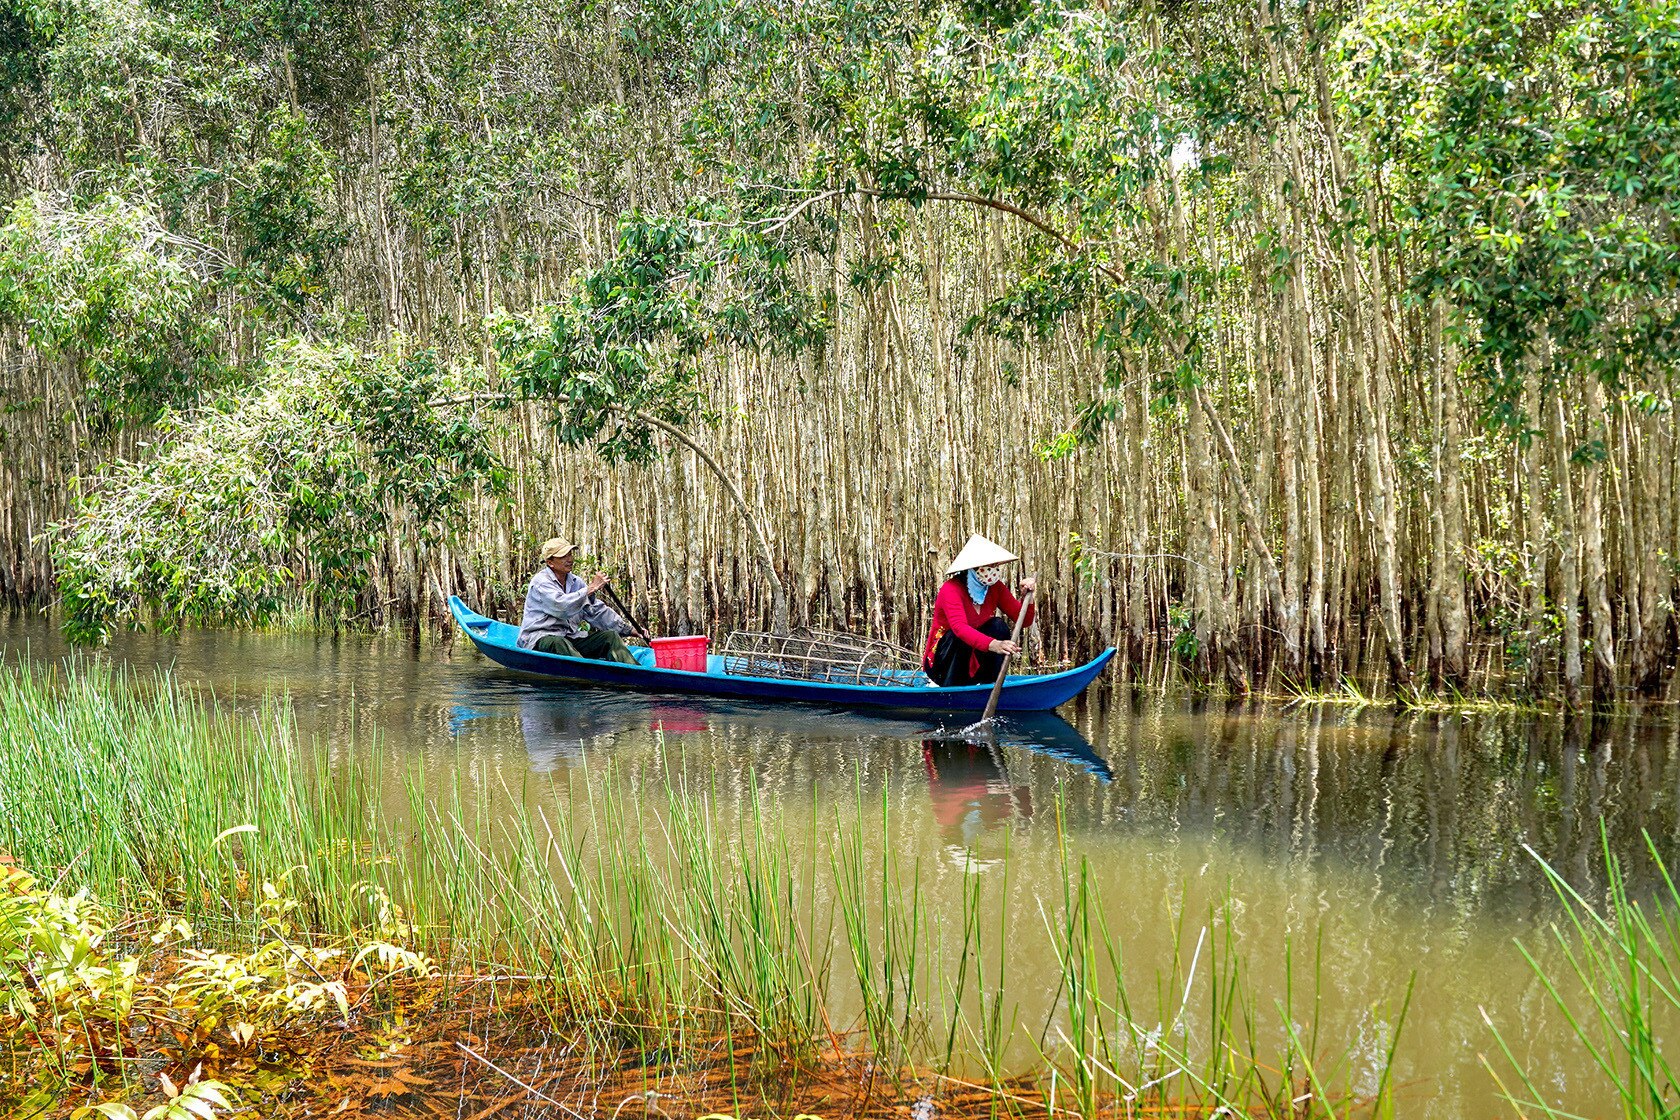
292	1024
600	936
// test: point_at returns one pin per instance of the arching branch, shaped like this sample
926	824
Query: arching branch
766	557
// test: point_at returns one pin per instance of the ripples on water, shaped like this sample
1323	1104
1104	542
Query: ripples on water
1398	839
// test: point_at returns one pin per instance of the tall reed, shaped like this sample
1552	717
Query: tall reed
1616	981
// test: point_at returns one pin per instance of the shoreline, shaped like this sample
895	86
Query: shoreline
1158	674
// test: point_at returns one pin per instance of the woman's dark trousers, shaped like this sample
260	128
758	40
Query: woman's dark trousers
951	656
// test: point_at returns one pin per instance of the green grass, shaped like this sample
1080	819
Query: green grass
1421	699
1616	983
653	930
1412	698
1348	693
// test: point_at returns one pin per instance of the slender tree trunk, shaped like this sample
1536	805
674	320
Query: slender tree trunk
1448	515
1455	622
1528	489
1592	547
1569	575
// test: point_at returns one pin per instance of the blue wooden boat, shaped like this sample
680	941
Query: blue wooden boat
498	642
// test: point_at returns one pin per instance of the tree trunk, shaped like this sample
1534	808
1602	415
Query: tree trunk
1569	575
1592	546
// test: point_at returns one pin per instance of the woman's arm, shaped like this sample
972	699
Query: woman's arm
1011	606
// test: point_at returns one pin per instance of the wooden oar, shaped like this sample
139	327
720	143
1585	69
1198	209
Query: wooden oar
624	610
1003	666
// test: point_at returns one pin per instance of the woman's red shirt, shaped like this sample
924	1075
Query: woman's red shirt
956	611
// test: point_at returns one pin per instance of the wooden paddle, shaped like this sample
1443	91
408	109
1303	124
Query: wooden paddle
1003	666
625	611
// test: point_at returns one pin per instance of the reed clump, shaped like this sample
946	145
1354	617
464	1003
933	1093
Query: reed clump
1615	980
566	943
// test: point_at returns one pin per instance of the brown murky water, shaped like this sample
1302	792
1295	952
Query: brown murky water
1394	843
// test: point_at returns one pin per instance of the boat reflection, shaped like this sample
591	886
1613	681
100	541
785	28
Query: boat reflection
968	772
558	725
1047	733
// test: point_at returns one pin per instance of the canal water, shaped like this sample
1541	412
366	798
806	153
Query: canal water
1378	850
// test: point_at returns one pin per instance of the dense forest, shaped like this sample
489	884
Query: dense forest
1284	341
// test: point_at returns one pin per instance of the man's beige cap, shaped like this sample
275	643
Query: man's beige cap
979	553
556	546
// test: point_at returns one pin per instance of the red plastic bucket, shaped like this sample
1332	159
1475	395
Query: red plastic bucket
687	654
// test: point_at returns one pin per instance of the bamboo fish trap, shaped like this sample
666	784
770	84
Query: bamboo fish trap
820	655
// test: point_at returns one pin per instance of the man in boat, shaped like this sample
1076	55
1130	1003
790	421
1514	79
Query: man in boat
563	616
969	637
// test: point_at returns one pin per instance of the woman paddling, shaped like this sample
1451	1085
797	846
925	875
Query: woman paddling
969	639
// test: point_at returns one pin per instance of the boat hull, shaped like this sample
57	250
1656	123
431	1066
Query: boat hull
498	642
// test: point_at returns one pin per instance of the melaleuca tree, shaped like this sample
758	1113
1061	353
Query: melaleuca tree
623	359
111	293
289	235
1088	132
20	89
290	484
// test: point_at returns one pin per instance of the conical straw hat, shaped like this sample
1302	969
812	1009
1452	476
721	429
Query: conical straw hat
979	553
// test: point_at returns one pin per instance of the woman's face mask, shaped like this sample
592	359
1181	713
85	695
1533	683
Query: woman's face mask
988	576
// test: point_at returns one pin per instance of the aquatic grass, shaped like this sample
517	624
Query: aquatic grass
1347	691
1152	1059
683	937
886	970
1418	698
1617	986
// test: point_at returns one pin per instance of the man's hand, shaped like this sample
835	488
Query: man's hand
596	582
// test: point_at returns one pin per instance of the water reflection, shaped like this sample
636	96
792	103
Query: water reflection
559	725
969	785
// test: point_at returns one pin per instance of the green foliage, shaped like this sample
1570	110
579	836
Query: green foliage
1185	644
119	80
259	994
629	342
21	78
51	962
291	233
112	293
284	487
63	989
185	102
198	1100
1035	305
1536	146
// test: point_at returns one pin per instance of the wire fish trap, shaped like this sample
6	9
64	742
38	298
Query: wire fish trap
822	656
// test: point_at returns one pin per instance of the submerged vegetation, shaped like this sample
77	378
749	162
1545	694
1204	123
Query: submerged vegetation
221	913
1321	340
